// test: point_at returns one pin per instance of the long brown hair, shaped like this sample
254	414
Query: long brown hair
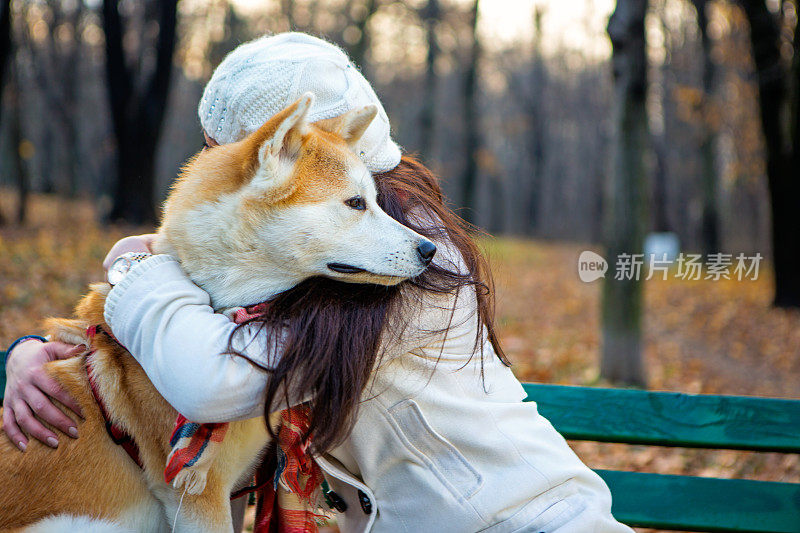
329	332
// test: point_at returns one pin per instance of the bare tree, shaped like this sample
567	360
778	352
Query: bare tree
471	126
536	137
661	141
779	104
710	216
363	14
20	167
5	39
138	101
5	54
55	67
430	16
626	198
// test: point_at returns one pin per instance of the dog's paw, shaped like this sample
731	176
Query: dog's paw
191	480
67	331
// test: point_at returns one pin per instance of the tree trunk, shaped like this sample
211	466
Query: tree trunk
537	136
5	55
5	41
137	111
20	166
625	220
431	16
358	52
57	76
710	214
660	178
781	152
471	126
661	142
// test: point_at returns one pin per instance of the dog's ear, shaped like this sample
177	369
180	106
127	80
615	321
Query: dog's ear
278	143
351	125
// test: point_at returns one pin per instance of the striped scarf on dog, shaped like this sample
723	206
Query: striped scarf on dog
194	447
291	501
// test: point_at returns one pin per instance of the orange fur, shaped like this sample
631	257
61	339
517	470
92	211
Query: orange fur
93	476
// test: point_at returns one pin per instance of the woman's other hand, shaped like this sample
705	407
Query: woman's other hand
134	243
29	392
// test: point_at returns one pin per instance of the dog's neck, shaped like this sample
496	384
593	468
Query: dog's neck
230	287
222	277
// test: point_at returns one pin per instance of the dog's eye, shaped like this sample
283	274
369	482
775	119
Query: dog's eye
356	202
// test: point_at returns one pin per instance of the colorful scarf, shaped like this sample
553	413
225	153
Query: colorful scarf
194	448
291	500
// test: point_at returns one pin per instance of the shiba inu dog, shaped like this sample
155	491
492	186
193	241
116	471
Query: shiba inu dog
247	221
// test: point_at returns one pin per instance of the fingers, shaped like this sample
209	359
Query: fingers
51	388
39	378
12	430
46	411
60	350
28	423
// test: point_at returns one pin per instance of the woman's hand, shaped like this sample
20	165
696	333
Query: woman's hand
134	243
27	400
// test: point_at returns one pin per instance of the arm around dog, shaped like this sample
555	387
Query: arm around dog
168	325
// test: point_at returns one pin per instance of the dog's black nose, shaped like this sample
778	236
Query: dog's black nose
426	250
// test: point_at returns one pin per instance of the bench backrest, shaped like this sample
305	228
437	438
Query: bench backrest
684	503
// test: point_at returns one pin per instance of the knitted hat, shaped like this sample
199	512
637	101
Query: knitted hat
262	77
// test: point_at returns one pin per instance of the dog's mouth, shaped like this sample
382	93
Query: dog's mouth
343	268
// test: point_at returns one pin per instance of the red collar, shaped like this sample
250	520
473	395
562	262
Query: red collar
119	436
122	438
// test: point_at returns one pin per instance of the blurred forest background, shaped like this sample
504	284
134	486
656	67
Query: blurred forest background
543	132
511	106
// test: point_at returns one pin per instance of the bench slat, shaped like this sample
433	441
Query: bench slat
670	419
686	503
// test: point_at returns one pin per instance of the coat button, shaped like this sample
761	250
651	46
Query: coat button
336	502
366	505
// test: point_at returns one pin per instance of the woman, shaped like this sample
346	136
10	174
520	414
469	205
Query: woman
417	421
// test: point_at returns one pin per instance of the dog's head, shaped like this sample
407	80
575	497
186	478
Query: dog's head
290	201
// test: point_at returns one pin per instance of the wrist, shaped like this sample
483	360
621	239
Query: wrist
123	264
21	340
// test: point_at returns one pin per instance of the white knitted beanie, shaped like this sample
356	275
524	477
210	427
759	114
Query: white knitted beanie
262	77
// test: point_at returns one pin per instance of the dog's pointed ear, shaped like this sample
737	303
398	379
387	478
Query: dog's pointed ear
292	125
351	125
277	144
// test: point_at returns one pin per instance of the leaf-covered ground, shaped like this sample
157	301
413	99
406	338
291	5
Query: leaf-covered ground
701	337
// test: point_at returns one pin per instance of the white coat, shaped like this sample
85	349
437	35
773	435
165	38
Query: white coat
435	447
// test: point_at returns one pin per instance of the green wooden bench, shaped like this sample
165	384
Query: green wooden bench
682	503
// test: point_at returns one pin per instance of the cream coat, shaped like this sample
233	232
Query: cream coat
435	447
